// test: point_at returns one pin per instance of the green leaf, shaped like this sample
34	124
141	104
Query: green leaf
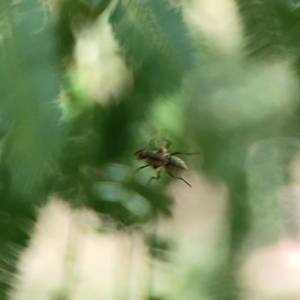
155	41
31	85
268	168
272	27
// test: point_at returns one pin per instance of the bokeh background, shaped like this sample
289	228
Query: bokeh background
84	84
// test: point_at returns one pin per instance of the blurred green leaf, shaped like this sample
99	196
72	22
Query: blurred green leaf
268	172
271	27
155	41
159	248
29	62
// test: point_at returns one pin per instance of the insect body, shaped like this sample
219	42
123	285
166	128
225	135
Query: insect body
175	164
158	159
154	158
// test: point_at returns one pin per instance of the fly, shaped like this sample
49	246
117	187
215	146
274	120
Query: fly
158	159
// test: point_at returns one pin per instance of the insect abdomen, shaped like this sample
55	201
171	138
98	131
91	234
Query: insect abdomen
175	164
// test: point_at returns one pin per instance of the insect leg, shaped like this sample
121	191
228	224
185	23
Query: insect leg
158	176
178	178
185	153
141	168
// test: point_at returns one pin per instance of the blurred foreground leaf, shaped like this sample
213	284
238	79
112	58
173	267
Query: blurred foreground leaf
155	41
30	80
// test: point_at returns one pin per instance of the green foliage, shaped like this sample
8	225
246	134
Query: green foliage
271	27
154	40
243	115
30	129
267	171
31	83
159	247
